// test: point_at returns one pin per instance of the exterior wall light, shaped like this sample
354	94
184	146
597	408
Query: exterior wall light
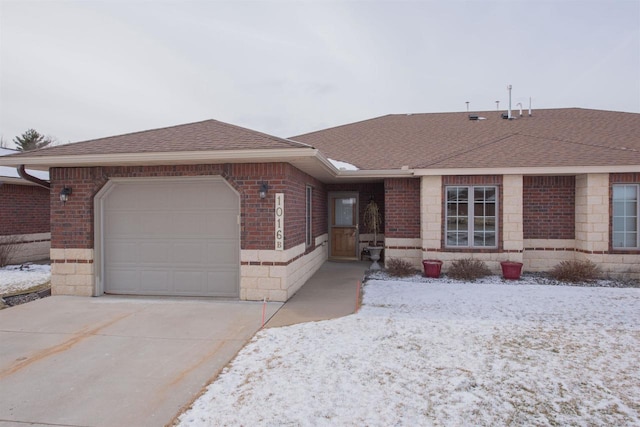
263	190
64	194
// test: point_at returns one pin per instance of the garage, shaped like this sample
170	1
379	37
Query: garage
177	237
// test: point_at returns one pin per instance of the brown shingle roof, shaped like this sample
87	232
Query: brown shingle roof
201	136
553	137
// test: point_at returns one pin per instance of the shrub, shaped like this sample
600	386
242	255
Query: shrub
468	269
575	271
8	247
399	268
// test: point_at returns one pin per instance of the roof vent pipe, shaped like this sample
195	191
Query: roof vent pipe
529	106
519	104
509	111
24	175
467	102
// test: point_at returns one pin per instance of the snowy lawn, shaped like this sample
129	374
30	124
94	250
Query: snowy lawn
13	279
444	354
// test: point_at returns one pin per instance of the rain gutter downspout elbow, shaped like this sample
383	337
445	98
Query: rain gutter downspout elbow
24	175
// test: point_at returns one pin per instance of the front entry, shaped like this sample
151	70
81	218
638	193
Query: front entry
343	225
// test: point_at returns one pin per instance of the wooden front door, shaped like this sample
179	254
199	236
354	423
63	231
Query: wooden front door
343	224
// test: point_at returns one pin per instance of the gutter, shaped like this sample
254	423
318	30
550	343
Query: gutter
156	158
531	170
24	175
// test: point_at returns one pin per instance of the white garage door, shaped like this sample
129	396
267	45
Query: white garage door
171	237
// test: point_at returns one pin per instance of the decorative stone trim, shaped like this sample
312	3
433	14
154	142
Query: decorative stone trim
72	272
431	211
512	213
262	277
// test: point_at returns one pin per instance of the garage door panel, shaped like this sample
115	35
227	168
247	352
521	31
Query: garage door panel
171	238
124	197
156	223
192	224
155	252
122	252
190	282
222	252
154	281
224	282
222	226
122	222
124	281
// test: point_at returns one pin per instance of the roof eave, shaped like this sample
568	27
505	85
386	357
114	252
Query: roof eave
542	170
309	160
157	158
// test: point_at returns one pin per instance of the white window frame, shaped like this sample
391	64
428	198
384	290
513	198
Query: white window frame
620	220
471	216
308	217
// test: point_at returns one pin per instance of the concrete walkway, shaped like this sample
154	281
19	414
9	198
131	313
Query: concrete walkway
115	361
328	294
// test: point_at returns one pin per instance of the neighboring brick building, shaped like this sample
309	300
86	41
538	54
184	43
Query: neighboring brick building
213	209
24	215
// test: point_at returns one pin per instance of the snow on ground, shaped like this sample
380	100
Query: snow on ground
443	354
16	278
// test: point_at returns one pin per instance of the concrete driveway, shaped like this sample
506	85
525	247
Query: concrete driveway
115	361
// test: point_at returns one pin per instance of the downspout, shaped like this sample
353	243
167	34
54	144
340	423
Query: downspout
24	175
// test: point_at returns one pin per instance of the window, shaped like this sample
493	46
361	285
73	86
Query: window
471	217
625	216
308	223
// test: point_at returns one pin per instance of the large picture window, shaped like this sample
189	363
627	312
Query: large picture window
471	217
625	216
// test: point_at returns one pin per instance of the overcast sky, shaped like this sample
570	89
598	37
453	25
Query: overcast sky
80	70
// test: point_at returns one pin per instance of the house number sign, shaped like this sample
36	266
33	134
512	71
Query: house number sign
279	221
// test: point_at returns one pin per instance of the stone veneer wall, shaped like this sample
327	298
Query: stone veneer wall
277	275
512	218
72	272
544	254
592	214
431	215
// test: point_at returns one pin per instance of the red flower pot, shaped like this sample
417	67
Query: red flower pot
432	267
511	270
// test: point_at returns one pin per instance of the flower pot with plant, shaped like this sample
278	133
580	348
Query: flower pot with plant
372	222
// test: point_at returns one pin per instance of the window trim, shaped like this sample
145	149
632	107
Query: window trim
626	248
471	217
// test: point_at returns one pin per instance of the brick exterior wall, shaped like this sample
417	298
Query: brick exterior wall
402	213
72	223
24	209
624	178
549	205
